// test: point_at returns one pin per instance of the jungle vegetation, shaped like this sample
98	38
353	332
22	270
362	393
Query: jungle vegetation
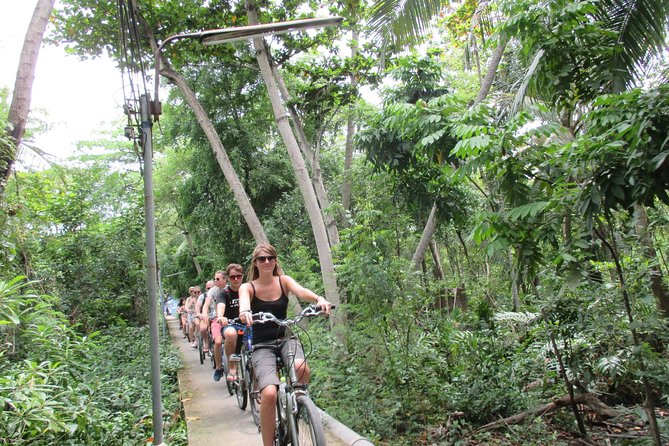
490	181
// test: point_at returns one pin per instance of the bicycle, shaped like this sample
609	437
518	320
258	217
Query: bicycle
243	380
224	361
231	385
298	421
211	348
200	344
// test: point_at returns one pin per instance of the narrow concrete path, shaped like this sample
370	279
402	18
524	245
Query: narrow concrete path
213	416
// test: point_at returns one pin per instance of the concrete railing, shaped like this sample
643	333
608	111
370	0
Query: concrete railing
343	432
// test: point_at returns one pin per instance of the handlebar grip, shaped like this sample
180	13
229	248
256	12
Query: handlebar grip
318	307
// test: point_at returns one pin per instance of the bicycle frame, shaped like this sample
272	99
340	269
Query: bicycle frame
291	390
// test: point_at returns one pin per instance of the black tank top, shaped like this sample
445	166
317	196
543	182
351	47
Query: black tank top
269	331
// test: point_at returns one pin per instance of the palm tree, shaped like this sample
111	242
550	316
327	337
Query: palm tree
642	29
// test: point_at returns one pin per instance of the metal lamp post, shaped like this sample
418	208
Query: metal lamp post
208	37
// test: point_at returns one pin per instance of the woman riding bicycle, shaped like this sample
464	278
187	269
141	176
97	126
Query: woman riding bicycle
267	291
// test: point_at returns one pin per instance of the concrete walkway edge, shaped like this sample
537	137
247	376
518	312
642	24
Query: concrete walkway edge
343	432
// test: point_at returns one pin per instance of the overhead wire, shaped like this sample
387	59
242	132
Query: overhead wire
134	75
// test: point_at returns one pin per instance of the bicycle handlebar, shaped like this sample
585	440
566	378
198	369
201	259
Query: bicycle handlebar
310	311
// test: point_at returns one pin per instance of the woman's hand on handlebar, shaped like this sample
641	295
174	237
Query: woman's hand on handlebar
222	320
324	305
246	317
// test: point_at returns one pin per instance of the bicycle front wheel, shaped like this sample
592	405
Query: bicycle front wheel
240	385
226	370
200	348
308	422
252	386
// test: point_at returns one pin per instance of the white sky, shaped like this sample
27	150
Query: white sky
79	98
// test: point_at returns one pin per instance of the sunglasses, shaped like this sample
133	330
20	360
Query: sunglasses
218	278
263	259
235	276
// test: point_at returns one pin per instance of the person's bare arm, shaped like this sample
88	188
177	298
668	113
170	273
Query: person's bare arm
304	293
245	304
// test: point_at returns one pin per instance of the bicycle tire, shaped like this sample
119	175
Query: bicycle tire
226	370
229	385
252	385
240	385
308	422
200	348
212	356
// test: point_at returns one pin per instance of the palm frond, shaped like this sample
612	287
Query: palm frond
519	99
521	318
641	26
394	23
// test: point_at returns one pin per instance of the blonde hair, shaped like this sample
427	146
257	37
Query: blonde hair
270	250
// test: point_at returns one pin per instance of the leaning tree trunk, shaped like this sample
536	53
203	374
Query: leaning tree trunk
657	285
424	242
241	198
23	85
207	126
299	167
191	248
312	158
350	132
431	225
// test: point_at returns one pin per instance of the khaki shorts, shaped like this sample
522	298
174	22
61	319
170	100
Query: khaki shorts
264	359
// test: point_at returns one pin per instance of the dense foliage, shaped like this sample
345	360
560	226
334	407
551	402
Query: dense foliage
58	386
545	276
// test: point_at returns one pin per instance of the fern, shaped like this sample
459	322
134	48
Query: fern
612	366
521	318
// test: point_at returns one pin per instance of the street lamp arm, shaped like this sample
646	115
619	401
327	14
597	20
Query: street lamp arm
216	36
157	58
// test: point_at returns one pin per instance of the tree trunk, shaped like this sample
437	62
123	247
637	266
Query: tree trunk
23	85
428	232
241	198
207	126
441	299
657	286
310	201
495	59
514	283
312	158
431	225
191	248
350	133
438	270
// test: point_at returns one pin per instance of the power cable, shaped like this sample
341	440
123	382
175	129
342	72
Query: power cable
134	75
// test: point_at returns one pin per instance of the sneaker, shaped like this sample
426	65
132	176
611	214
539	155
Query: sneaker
217	374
